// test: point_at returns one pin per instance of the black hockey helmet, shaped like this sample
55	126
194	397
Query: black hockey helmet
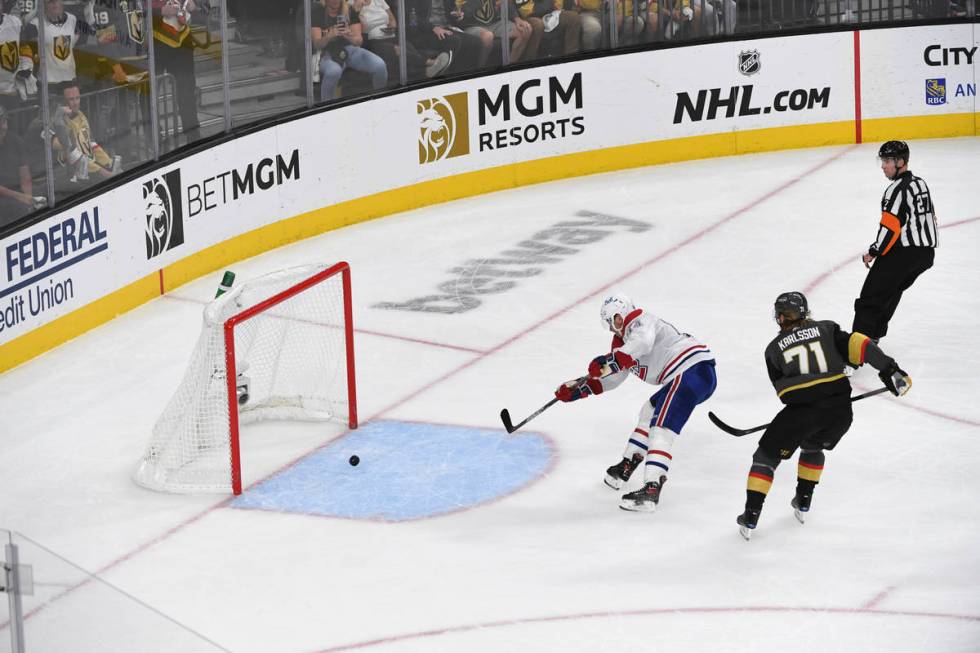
894	150
791	305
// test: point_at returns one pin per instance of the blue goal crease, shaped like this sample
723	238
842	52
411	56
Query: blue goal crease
407	470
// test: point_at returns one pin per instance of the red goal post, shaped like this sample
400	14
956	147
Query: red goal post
280	346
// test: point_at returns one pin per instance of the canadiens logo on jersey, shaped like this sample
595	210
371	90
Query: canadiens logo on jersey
936	91
136	29
444	130
749	62
62	47
9	56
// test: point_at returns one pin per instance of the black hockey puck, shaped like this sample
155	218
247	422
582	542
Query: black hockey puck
353	461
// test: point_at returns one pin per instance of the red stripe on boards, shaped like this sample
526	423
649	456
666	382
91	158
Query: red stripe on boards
857	87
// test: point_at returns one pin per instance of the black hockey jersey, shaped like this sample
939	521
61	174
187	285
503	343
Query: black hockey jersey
806	363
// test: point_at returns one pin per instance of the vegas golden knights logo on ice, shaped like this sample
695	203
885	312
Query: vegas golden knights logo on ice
62	47
444	130
9	57
135	21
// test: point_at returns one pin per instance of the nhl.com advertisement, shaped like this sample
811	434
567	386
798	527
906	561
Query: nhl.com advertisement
501	117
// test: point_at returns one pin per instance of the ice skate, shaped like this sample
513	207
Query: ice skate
747	522
621	471
645	499
801	505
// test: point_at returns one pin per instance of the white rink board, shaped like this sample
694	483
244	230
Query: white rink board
373	147
895	64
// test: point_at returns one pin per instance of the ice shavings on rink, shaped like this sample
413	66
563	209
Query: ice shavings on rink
407	471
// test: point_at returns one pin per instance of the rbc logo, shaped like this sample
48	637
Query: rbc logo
936	91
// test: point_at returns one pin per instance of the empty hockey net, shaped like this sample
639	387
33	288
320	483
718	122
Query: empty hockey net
276	347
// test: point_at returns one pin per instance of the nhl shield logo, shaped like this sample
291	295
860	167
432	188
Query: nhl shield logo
164	213
62	47
444	130
134	19
936	91
749	62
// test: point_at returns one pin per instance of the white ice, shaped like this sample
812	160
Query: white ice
888	559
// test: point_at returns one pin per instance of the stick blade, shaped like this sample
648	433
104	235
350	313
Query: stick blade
724	427
505	418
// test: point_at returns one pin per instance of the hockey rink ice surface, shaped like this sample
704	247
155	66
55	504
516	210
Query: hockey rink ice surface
451	535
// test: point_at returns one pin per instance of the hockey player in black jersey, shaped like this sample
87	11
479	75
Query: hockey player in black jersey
806	366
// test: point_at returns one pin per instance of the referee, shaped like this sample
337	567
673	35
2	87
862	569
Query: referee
905	246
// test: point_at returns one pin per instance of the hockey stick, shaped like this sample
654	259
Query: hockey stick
505	414
740	432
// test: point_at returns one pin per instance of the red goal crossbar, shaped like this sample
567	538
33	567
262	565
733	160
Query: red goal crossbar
231	372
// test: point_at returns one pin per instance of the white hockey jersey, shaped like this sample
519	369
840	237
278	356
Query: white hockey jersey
661	351
60	48
11	59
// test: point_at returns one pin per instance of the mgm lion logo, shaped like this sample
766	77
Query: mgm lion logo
444	130
164	214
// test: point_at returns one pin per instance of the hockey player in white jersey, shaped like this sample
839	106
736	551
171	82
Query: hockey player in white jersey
656	352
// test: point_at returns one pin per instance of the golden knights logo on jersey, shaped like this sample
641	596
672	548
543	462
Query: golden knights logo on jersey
136	26
486	11
62	47
9	56
444	130
164	213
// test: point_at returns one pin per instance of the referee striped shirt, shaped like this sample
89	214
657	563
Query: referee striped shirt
907	216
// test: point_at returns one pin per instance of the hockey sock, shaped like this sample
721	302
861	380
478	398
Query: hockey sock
658	455
808	470
760	479
637	444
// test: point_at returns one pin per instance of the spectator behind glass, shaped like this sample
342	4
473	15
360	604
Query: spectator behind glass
556	25
14	173
62	33
480	16
379	25
590	13
336	34
174	54
429	29
17	81
73	143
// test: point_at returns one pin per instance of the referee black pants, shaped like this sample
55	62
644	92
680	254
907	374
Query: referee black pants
890	276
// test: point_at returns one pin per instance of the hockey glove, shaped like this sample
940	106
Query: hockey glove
895	379
575	390
610	364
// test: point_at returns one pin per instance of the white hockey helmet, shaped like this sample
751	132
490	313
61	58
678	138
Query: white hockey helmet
613	305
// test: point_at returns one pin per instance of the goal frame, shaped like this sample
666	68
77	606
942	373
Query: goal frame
231	372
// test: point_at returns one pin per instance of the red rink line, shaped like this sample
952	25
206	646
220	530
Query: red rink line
857	257
380	334
698	235
479	357
642	613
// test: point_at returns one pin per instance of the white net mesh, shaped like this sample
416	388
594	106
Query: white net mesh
291	363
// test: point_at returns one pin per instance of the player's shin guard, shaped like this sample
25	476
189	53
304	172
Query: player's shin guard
808	475
658	454
759	481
